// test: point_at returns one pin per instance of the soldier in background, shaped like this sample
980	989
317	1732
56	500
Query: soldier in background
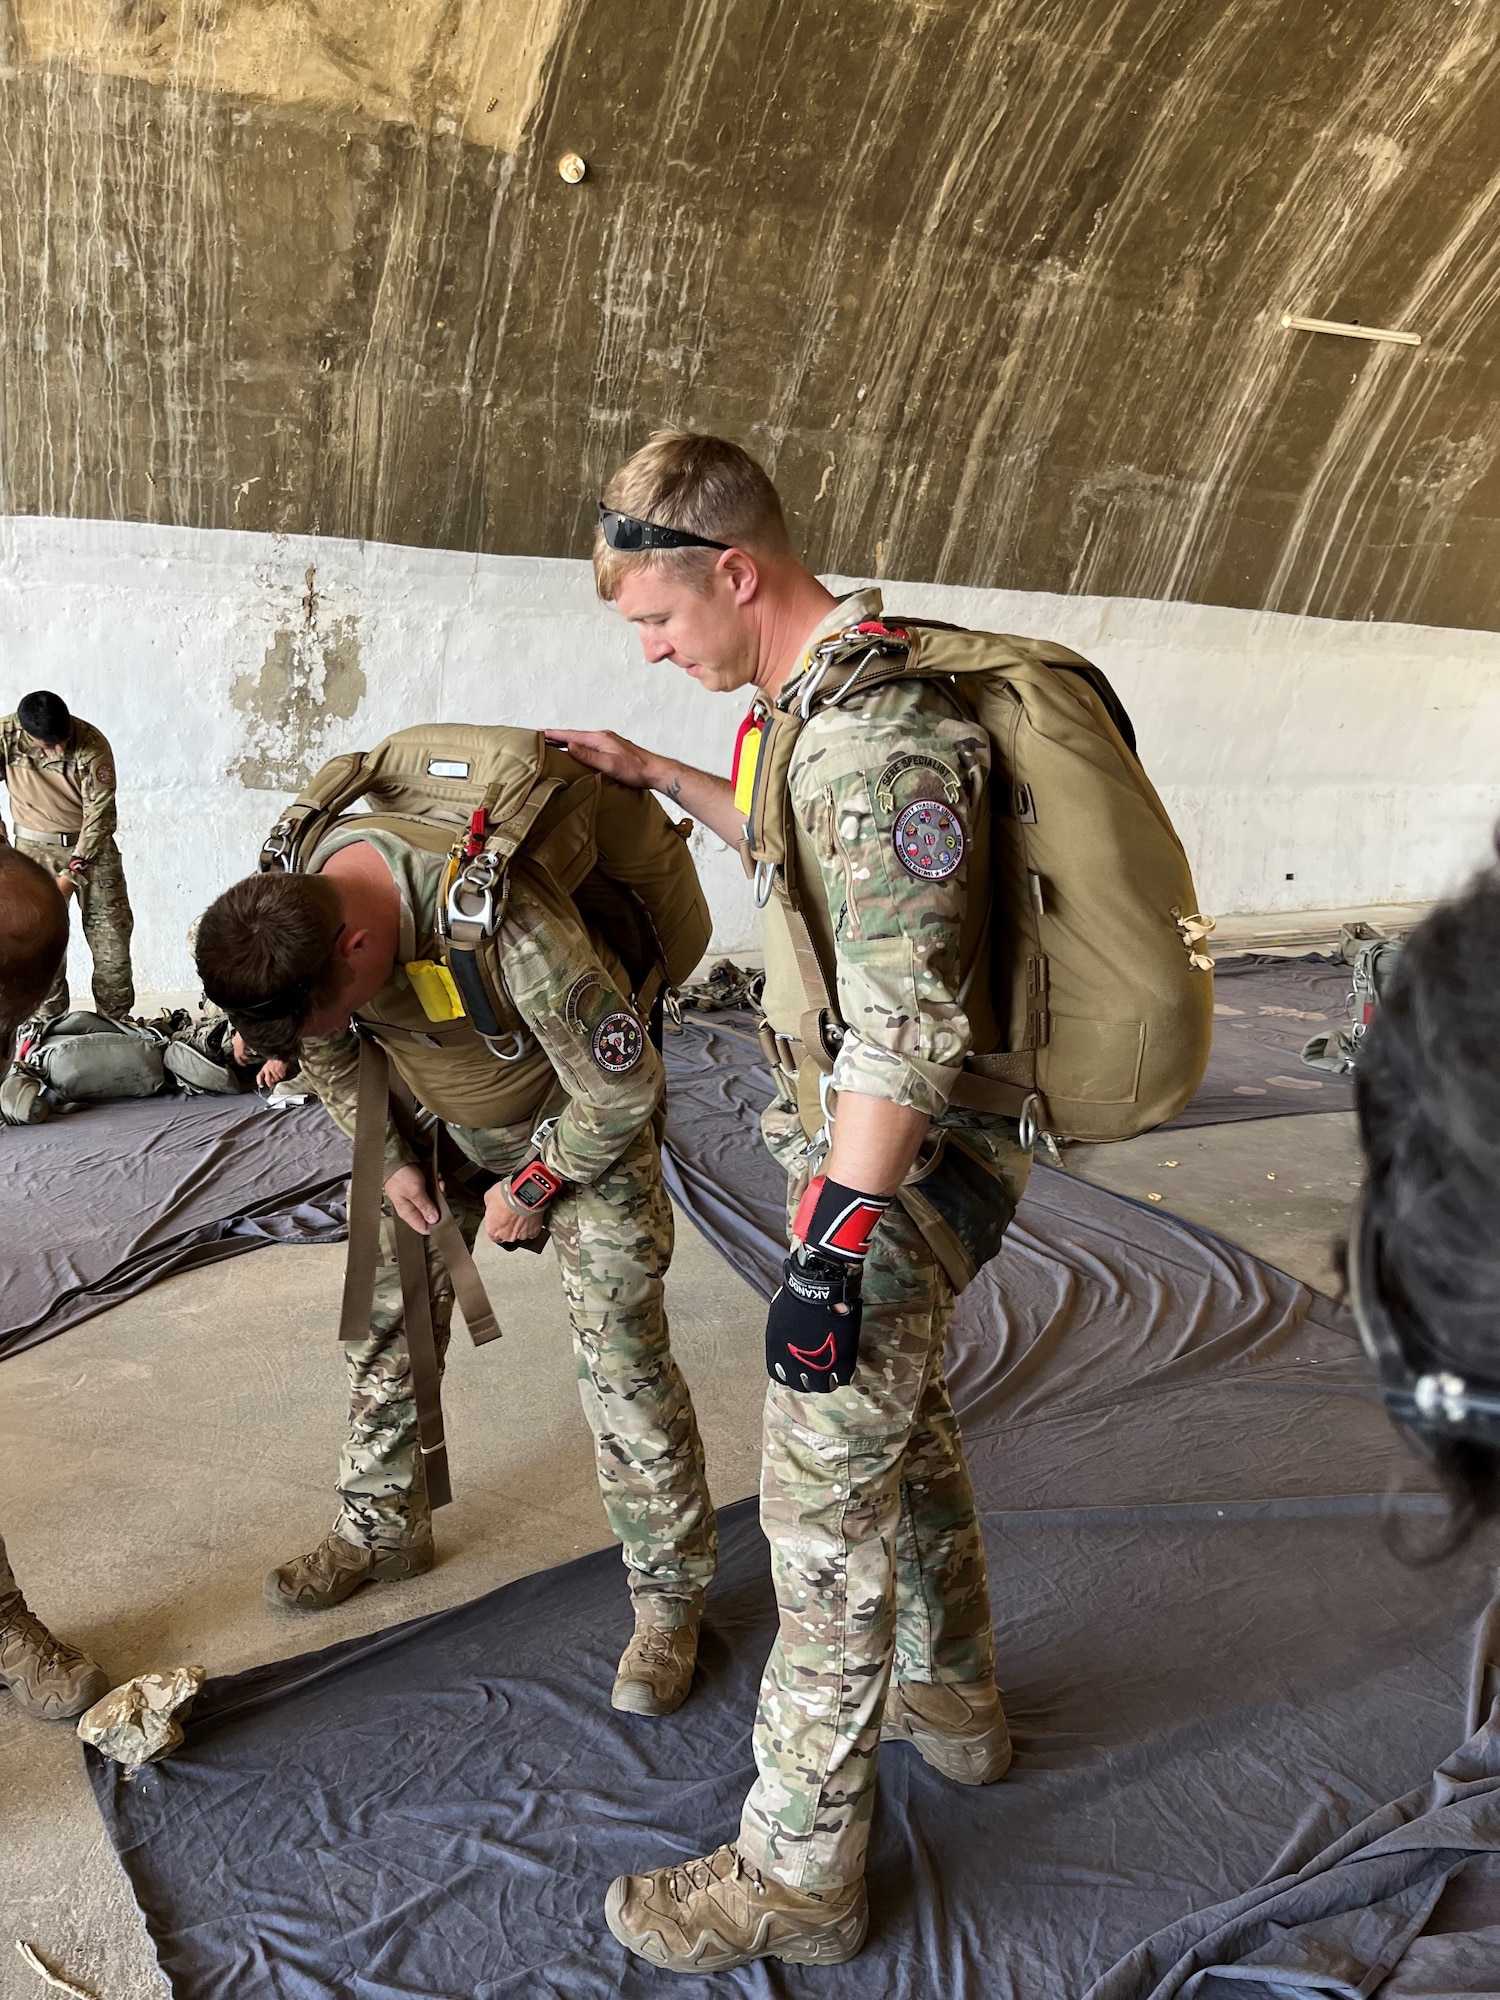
60	773
45	1676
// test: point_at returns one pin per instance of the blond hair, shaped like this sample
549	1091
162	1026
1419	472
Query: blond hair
703	485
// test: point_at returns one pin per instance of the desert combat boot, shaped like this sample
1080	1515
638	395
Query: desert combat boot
337	1567
720	1912
46	1676
958	1727
656	1668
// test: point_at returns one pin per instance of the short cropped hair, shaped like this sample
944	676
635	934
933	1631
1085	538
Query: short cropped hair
45	716
705	485
269	936
33	939
1427	1090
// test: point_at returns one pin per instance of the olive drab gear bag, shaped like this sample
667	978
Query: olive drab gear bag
494	796
81	1058
492	799
1100	990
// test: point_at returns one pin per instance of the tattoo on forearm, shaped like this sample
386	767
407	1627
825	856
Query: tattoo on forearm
674	791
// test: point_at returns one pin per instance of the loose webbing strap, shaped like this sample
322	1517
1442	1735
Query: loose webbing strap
447	1237
365	1187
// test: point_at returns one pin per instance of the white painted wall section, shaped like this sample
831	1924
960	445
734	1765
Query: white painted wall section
1307	763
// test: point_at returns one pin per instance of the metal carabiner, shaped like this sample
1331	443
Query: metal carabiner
765	882
1028	1127
515	1036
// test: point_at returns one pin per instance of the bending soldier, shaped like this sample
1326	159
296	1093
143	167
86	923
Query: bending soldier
60	773
562	1137
46	1676
877	1557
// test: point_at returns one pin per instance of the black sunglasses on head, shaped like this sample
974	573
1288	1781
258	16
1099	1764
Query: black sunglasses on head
630	535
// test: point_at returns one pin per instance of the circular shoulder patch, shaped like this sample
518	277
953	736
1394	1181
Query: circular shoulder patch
618	1044
104	774
929	840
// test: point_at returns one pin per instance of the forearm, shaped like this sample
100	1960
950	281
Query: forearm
874	1143
701	795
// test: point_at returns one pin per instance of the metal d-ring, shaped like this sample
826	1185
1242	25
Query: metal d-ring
515	1036
765	882
1029	1126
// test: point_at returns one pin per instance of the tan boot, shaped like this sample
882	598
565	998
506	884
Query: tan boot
656	1668
336	1568
46	1676
958	1727
715	1914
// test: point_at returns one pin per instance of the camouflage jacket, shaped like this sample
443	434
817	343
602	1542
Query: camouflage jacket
590	1066
83	768
858	775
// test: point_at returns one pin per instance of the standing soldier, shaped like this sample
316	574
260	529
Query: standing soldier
46	1676
555	1128
60	773
877	1558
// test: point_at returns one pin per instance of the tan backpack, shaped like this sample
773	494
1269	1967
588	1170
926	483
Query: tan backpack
1104	996
489	795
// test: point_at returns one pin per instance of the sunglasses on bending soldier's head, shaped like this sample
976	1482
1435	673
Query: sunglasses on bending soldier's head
629	534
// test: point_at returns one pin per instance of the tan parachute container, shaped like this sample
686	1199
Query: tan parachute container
1104	996
490	795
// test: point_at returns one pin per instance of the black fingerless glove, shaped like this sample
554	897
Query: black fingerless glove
810	1344
812	1330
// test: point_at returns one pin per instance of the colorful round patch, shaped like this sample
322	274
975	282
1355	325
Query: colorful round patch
929	840
619	1043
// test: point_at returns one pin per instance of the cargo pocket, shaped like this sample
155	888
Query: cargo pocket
1095	1062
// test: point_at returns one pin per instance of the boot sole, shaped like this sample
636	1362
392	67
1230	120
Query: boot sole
397	1567
839	1942
47	1709
964	1763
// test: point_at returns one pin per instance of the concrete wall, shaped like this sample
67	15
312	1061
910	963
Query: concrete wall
994	287
1307	762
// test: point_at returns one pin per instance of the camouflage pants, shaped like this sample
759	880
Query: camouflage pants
876	1552
104	909
613	1242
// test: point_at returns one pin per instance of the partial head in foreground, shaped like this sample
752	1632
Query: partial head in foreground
692	547
1424	1262
267	953
33	940
44	716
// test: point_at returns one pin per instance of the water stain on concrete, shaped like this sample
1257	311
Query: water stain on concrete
310	678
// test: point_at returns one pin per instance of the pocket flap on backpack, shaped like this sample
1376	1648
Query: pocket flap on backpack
1097	1062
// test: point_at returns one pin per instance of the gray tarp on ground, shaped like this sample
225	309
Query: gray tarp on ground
97	1205
1211	1661
1264	1010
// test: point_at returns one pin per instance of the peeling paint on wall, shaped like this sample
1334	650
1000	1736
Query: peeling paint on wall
995	286
310	678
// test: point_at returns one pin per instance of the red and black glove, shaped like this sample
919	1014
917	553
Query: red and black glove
812	1329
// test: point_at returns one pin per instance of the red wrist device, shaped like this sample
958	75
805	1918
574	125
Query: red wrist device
835	1221
534	1186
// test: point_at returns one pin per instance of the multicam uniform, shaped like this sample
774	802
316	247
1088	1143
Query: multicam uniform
865	1497
63	808
591	1073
